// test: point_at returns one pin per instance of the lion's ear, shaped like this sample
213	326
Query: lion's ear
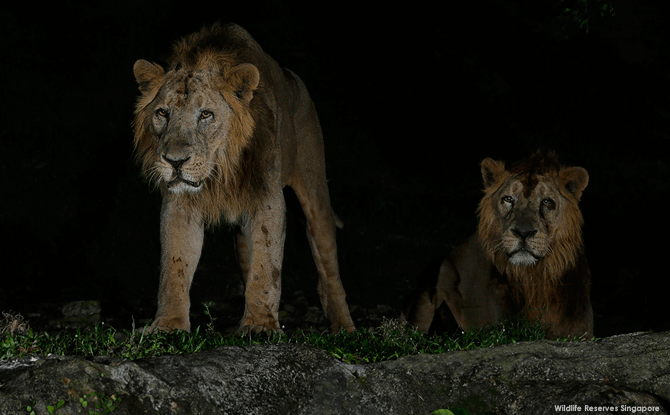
243	79
574	180
492	171
146	73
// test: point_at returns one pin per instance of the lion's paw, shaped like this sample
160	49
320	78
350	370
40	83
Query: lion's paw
169	324
342	328
255	328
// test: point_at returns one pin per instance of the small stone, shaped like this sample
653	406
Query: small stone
81	308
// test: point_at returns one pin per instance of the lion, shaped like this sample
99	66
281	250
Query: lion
526	258
221	131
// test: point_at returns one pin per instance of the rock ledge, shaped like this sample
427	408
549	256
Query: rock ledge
619	374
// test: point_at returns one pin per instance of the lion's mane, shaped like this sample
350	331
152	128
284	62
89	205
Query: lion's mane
539	284
238	183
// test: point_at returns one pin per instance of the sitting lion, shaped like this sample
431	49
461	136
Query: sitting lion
221	131
526	259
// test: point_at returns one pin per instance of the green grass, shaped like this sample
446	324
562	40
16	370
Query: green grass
366	345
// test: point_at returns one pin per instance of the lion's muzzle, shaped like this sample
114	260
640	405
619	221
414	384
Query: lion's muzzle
524	249
180	180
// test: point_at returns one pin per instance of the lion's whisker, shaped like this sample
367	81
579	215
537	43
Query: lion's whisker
499	246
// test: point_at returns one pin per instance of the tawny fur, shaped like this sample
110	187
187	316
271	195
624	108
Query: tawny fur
221	131
479	281
236	187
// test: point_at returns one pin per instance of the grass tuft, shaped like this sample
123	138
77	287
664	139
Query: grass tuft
389	341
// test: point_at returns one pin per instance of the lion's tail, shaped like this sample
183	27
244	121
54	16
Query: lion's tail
338	221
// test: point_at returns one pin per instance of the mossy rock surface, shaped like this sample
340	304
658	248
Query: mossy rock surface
521	378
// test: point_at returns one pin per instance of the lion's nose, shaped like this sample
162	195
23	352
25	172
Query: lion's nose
176	164
524	234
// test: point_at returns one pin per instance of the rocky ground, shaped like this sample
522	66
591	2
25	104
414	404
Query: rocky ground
622	374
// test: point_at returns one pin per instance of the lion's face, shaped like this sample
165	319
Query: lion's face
528	217
192	117
530	213
191	122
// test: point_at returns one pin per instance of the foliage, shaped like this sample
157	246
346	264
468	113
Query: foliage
583	13
454	411
103	405
367	345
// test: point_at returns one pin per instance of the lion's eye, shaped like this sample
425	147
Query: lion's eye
205	115
161	112
507	199
548	203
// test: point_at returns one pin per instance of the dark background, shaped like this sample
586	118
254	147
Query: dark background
411	100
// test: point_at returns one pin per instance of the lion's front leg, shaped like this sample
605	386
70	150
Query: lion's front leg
182	233
559	322
263	238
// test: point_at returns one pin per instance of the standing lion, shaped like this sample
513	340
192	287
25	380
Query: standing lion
221	131
527	257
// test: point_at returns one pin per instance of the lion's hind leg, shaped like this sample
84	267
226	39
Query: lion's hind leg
448	294
321	226
435	307
308	181
421	311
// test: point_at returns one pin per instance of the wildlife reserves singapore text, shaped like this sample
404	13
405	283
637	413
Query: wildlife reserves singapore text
612	408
